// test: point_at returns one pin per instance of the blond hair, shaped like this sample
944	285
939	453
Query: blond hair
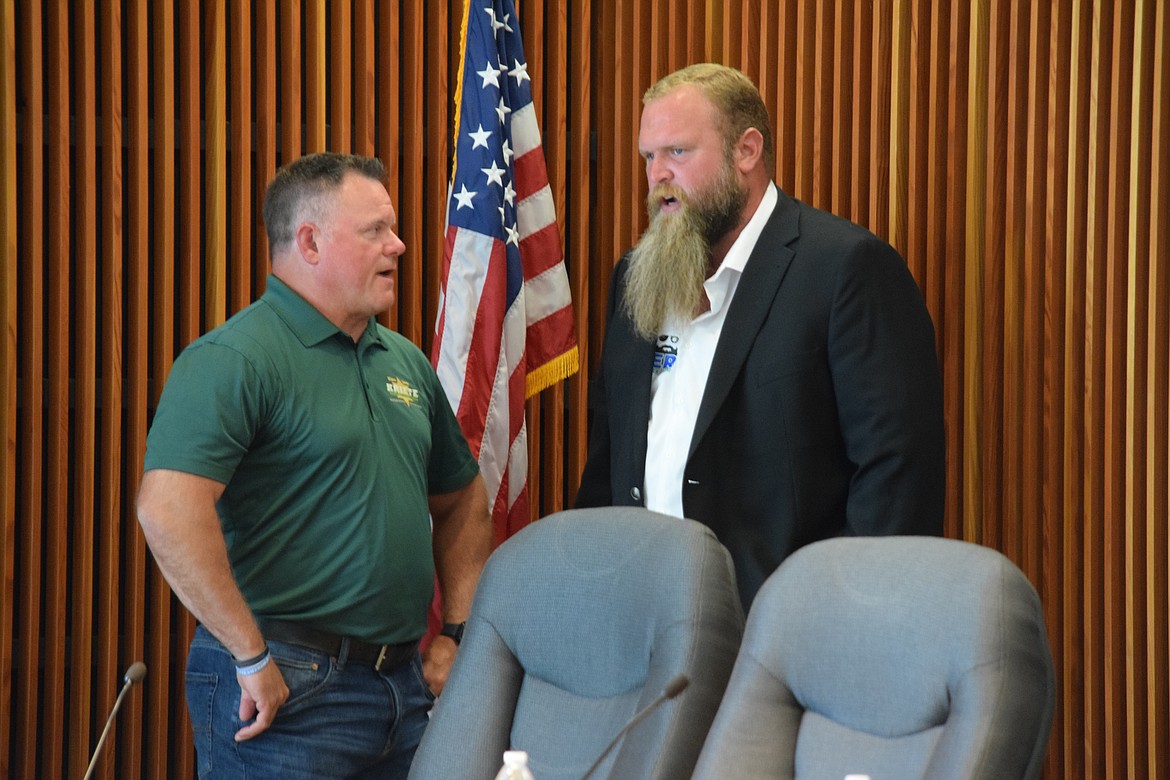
734	96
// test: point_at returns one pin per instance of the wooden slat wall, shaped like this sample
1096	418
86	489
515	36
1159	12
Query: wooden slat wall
1017	153
10	355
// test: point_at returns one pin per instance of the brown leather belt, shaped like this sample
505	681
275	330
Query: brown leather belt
360	651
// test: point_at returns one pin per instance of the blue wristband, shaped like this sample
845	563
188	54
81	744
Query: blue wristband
247	671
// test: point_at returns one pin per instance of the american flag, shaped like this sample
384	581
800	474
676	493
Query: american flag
505	326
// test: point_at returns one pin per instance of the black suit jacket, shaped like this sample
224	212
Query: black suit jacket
822	415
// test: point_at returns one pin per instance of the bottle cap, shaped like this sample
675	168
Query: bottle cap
515	758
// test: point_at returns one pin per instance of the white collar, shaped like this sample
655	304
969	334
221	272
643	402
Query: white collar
717	286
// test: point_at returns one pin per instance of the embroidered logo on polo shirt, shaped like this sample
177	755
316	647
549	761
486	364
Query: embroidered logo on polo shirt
400	390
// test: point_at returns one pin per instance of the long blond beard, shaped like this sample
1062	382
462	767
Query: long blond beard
667	270
673	258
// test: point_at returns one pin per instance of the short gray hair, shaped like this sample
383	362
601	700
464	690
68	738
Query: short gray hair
301	183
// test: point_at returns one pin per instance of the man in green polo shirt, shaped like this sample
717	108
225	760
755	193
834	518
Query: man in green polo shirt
298	457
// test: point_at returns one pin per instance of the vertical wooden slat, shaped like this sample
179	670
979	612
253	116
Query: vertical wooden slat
413	75
671	42
189	142
840	153
1140	54
84	382
188	281
730	23
770	64
267	120
905	201
530	17
428	254
880	112
1034	322
1157	453
215	165
744	51
629	178
131	559
862	115
365	95
578	246
742	42
291	81
1030	318
622	102
454	51
694	36
999	441
665	43
340	77
974	227
1097	658
632	186
749	39
1057	523
713	30
948	163
109	446
162	318
803	107
948	160
315	87
598	143
901	54
822	106
1006	303
389	140
1037	556
238	202
1077	678
931	196
52	711
1119	696
28	325
553	73
9	358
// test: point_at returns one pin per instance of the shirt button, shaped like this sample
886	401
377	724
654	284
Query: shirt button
635	494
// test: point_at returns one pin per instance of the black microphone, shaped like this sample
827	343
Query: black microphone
134	674
672	689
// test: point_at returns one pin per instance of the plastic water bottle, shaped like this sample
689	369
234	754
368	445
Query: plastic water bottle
515	766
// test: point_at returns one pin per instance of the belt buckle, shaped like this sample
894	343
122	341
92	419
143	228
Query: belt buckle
381	658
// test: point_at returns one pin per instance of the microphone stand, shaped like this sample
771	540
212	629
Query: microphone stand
134	674
672	689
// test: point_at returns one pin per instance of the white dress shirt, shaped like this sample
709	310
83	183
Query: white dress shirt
682	361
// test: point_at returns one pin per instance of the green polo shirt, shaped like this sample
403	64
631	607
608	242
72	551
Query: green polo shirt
328	450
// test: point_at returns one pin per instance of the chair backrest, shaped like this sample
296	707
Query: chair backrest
579	621
896	657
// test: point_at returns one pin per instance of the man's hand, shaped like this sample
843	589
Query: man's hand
261	695
437	662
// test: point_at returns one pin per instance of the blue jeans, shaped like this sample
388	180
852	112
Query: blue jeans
340	720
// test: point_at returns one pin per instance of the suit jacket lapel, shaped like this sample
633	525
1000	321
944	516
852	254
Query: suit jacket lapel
757	288
632	362
637	362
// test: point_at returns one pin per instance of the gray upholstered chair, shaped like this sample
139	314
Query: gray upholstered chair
896	657
579	621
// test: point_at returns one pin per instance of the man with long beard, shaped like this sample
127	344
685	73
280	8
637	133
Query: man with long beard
768	368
